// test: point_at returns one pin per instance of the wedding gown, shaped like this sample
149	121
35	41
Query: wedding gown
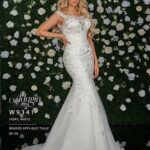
82	122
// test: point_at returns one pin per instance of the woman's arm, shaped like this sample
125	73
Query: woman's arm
48	24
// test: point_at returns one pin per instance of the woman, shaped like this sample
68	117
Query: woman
82	122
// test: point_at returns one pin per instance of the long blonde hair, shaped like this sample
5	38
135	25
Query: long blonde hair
63	4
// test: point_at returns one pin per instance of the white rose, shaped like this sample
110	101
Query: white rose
37	68
36	49
119	27
111	78
14	12
100	9
57	99
49	61
41	11
148	71
110	97
123	107
142	93
66	85
47	116
141	32
33	87
20	76
120	43
51	53
148	106
33	75
4	54
10	24
139	8
12	88
16	34
40	103
13	42
125	3
128	100
5	4
116	87
27	56
6	76
108	50
131	90
106	21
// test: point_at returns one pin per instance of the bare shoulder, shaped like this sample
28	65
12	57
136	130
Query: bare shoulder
85	11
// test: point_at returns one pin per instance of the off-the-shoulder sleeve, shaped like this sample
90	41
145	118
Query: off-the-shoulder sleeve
60	13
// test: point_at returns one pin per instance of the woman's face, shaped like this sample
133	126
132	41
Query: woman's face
73	2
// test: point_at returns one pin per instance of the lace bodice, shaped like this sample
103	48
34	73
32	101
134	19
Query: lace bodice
74	25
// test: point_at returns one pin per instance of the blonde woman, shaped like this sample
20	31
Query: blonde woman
82	122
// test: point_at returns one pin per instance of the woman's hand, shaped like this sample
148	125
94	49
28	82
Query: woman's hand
96	68
65	40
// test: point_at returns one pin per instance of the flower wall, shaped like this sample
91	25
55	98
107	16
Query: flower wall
33	65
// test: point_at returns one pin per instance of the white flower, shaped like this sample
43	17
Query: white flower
141	32
40	103
49	96
47	80
49	61
14	12
148	106
16	34
119	27
142	93
27	56
41	11
57	99
112	32
97	31
10	24
123	107
125	3
110	97
146	2
5	4
91	6
20	76
35	110
27	17
120	43
128	100
131	90
100	9
139	8
131	76
36	49
6	76
47	116
33	75
127	18
108	50
25	40
116	87
148	71
33	87
4	97
35	141
12	88
40	63
106	21
148	18
18	65
51	53
13	42
4	54
66	85
131	49
111	78
37	68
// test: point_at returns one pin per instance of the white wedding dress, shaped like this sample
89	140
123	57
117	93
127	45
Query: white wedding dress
82	122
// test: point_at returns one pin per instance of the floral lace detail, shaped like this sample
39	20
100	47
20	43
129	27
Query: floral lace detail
73	24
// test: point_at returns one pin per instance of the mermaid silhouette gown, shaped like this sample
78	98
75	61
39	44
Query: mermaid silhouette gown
82	122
